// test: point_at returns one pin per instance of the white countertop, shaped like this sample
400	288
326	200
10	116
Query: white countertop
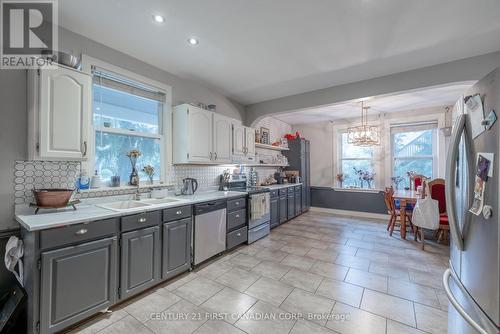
280	186
86	212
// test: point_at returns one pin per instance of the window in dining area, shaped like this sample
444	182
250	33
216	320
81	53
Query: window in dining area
413	149
356	164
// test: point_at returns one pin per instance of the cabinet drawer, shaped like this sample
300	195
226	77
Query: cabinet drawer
283	191
236	204
77	233
290	189
236	238
181	212
140	220
236	219
274	193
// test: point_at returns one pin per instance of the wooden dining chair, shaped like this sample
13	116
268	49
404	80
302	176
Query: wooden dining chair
437	192
394	213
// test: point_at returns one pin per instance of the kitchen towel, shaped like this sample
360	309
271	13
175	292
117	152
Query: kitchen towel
14	251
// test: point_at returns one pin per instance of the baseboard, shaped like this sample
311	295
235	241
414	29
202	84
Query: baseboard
349	213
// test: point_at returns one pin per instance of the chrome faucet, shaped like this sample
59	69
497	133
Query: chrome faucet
137	195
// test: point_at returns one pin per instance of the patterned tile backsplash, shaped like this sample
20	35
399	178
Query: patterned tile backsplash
62	174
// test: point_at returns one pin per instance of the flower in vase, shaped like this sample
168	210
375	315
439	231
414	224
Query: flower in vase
149	171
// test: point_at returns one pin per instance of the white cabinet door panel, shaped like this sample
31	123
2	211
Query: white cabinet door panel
250	141
222	139
200	135
238	139
64	113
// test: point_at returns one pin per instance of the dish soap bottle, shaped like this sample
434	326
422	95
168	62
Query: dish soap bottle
83	181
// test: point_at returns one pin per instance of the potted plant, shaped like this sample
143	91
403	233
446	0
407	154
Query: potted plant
149	171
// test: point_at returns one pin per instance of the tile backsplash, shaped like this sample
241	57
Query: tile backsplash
62	174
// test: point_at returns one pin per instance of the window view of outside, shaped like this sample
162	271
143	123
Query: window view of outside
123	122
413	151
353	160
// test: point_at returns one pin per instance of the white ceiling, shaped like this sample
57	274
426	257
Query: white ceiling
255	50
408	101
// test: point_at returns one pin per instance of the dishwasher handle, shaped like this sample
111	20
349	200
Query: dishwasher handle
206	207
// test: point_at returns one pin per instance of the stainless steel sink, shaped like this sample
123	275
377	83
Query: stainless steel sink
123	205
160	200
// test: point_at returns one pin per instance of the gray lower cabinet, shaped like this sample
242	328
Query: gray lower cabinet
291	205
298	200
176	247
274	210
77	282
140	260
283	209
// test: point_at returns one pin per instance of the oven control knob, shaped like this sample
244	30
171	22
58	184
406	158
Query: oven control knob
487	211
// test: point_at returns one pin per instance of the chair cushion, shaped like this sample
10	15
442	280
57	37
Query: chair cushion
438	193
443	219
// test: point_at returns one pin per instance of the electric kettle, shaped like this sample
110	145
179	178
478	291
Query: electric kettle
189	186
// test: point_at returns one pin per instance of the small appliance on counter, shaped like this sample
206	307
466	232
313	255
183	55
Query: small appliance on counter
189	186
280	177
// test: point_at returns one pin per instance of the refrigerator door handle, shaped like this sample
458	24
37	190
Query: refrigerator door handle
446	283
456	232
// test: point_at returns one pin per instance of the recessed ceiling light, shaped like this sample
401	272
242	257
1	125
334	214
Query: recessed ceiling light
193	41
158	18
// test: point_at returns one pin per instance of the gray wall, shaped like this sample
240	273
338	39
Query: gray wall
473	68
325	197
13	110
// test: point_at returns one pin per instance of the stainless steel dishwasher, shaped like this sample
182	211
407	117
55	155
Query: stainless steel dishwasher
209	230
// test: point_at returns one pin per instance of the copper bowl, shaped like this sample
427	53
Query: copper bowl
53	198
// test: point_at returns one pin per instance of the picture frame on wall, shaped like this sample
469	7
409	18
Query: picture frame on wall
264	136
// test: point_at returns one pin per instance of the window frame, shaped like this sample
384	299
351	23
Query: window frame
435	143
341	159
165	118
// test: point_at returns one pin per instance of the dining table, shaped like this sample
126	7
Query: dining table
405	197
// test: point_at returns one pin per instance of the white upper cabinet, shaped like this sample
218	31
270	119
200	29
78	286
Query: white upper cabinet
239	141
59	115
201	136
250	141
221	139
243	143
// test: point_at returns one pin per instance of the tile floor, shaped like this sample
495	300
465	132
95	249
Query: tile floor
315	274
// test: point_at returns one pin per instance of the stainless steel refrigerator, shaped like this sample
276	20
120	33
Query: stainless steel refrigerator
472	281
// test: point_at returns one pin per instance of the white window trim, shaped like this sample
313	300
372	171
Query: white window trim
439	152
165	119
337	154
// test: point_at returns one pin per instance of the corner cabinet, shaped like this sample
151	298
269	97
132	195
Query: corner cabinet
200	136
60	110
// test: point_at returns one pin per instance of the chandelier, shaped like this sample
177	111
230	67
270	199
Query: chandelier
364	134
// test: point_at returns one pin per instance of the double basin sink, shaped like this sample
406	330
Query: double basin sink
132	204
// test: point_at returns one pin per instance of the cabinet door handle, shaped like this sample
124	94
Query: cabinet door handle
142	220
81	231
85	148
237	203
179	212
211	156
238	234
215	155
237	216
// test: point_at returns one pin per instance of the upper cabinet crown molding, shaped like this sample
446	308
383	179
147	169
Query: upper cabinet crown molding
59	114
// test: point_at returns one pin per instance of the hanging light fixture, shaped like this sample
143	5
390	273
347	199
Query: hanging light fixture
364	134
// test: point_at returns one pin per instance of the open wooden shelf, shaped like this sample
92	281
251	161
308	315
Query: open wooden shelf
271	147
